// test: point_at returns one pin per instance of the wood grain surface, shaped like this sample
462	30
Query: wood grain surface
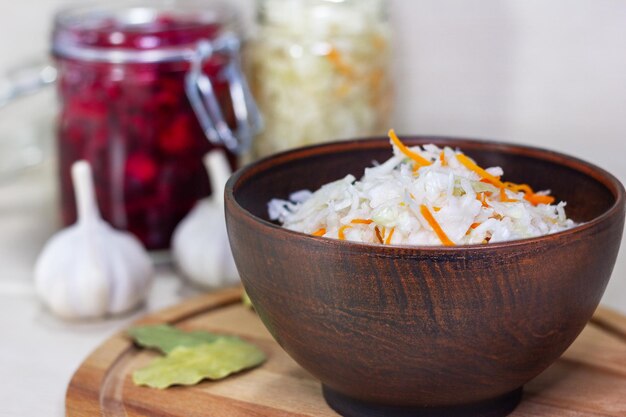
588	380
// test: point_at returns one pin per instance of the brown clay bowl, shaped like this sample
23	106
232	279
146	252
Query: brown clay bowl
401	330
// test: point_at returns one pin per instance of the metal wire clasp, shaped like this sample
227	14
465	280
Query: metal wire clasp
201	94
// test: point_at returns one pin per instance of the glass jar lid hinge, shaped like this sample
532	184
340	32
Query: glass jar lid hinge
201	94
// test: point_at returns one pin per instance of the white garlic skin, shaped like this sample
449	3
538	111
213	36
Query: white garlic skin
90	270
201	250
91	274
200	243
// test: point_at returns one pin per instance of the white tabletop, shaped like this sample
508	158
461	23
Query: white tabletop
39	353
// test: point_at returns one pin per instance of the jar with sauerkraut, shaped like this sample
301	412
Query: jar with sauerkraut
319	70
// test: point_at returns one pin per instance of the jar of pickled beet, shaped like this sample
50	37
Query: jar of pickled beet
146	89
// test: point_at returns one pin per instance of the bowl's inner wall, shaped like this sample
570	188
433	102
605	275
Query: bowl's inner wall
586	197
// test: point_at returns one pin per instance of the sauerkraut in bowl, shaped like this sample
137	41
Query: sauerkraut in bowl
423	196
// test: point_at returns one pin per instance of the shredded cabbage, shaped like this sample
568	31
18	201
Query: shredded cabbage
400	202
319	70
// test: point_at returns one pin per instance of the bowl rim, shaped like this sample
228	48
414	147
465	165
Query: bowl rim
607	179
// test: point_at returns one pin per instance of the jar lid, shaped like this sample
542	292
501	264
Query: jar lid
141	31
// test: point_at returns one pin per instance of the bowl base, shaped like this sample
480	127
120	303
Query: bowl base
495	407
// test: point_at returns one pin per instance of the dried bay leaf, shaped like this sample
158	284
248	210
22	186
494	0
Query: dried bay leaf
191	356
166	338
188	365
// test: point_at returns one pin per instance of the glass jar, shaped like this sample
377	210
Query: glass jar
320	70
146	89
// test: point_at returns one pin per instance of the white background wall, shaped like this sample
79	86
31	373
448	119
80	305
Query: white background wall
549	73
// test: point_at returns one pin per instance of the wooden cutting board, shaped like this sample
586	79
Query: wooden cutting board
589	380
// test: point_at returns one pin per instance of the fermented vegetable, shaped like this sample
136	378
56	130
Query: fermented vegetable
423	196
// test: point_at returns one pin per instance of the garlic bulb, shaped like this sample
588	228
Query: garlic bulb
200	243
89	269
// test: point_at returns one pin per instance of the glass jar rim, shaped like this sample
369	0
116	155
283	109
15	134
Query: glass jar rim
266	10
136	17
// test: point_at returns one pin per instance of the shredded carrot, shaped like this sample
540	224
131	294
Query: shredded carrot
529	194
379	42
362	221
465	161
505	198
384	231
341	234
539	199
388	240
442	158
436	227
418	159
483	199
436	208
378	236
319	232
412	196
519	187
375	79
472	227
335	58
